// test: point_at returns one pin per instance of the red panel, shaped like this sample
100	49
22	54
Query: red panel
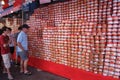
65	71
6	4
18	2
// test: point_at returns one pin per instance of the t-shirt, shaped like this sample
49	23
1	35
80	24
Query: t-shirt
12	39
23	39
4	40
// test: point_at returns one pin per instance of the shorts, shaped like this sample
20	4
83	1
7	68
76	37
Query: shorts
6	60
11	50
23	55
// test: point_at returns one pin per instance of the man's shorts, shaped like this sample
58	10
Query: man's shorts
23	55
6	60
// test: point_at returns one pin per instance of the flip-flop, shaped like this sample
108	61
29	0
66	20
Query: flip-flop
28	73
10	78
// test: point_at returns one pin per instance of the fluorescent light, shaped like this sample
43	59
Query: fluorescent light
2	2
11	11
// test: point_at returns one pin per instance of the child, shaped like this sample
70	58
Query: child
4	45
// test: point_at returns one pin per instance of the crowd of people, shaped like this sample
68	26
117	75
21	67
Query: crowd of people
14	43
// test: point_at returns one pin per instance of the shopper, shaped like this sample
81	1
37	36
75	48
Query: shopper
11	42
4	45
16	36
22	42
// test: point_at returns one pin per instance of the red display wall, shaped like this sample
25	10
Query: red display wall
78	34
65	71
77	39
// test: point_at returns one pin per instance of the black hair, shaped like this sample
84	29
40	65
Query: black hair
25	26
20	28
9	29
4	29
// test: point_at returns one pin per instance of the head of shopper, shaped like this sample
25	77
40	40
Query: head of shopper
25	28
4	30
9	31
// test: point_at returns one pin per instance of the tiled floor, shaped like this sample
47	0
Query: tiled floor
36	75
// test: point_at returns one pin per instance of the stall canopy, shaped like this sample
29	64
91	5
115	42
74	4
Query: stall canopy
11	6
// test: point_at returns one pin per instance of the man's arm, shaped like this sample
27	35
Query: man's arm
20	46
19	41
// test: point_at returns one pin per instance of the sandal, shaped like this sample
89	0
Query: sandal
21	72
10	77
28	73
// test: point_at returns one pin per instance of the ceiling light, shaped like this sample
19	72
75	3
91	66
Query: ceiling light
3	2
11	11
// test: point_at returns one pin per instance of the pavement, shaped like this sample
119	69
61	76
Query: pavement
36	75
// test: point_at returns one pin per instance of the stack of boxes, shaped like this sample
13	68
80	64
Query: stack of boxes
81	34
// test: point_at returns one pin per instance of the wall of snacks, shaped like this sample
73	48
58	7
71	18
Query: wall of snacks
78	33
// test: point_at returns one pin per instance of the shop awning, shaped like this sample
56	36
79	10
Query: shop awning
10	8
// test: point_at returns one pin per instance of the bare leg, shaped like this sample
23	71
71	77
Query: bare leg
9	74
25	66
7	66
21	66
16	60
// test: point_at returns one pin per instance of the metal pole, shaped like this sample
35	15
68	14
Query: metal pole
22	13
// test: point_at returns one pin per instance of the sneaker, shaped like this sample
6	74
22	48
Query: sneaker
28	73
10	77
39	70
